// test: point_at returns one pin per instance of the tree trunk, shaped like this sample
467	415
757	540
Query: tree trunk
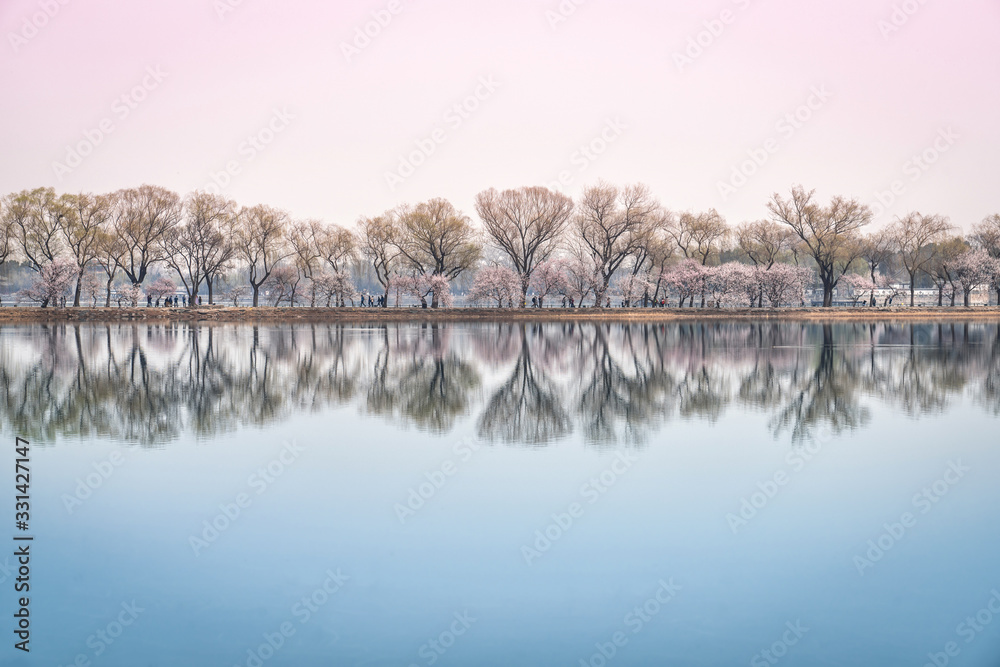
79	288
256	292
827	294
913	287
107	295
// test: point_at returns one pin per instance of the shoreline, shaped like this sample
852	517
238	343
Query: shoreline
237	315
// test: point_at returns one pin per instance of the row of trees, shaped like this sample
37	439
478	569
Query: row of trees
618	240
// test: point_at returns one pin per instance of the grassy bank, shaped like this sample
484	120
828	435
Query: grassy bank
335	315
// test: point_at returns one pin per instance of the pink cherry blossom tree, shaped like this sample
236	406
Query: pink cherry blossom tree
53	281
973	270
548	279
582	279
631	289
160	288
731	284
497	284
687	279
784	284
423	285
857	287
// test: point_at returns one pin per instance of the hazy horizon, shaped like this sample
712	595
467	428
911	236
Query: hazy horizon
210	73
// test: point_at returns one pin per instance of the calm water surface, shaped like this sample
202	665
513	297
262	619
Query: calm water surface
491	494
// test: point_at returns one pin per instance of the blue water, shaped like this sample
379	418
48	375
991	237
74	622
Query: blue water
583	494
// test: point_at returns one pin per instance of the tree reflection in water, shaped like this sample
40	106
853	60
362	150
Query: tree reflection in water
521	383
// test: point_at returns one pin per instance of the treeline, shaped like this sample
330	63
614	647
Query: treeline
612	246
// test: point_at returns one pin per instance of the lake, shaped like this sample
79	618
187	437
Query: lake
506	494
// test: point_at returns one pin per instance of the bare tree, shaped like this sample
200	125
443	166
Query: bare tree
986	235
829	233
85	218
764	241
438	240
878	249
915	238
612	224
110	248
34	218
700	235
211	218
337	246
5	233
526	224
378	238
941	268
260	241
144	218
304	242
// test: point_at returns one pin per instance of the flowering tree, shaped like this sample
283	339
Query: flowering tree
785	284
335	288
687	279
54	280
129	295
549	278
160	288
632	288
496	284
581	279
973	270
92	286
731	284
858	287
423	285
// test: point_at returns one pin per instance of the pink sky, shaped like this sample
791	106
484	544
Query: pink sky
337	126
